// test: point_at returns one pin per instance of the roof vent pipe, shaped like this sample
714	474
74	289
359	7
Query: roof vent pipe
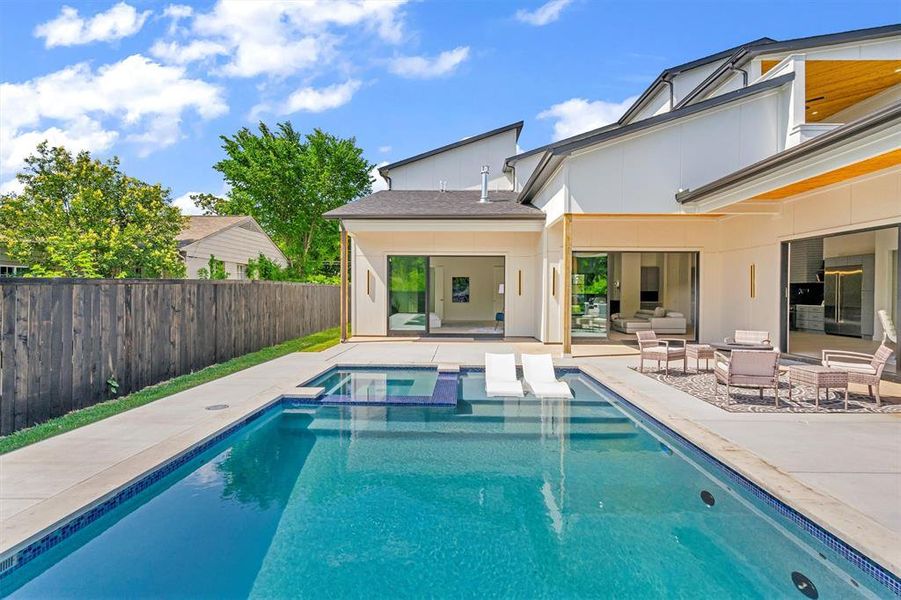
484	197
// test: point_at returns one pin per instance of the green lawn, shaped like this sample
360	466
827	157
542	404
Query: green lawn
73	420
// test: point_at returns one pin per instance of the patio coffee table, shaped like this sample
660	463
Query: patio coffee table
817	377
699	352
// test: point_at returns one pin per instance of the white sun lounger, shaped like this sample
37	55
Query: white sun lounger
500	376
538	372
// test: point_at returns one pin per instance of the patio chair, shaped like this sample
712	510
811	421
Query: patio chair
747	368
745	337
540	379
659	349
500	376
862	368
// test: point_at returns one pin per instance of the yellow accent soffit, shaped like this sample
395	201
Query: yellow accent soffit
864	167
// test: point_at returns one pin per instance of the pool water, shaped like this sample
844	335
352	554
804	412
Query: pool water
495	497
361	384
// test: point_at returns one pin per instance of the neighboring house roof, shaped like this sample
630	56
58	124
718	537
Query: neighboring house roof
475	138
879	119
433	204
555	154
200	227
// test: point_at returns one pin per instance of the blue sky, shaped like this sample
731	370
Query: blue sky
157	83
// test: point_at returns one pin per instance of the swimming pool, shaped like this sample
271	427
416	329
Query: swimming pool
501	497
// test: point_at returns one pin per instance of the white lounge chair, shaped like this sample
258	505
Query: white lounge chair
538	373
500	376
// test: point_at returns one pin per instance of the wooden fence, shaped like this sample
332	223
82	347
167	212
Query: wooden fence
64	343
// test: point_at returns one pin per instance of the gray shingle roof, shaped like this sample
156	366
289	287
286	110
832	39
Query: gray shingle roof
199	227
433	204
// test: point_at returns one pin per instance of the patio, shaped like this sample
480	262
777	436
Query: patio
842	470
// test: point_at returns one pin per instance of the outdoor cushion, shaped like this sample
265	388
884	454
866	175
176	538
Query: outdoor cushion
672	313
659	312
857	367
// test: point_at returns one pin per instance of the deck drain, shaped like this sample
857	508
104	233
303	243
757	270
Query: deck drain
707	498
217	407
804	585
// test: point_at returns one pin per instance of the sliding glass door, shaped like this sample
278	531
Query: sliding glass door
407	301
589	295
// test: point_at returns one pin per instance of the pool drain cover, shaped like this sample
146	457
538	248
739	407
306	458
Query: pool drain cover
804	585
708	498
217	406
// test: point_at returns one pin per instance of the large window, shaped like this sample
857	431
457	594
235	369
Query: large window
616	294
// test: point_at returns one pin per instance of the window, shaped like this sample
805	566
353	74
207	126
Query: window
240	271
12	271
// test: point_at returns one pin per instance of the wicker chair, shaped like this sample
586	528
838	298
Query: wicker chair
745	337
659	349
862	368
747	368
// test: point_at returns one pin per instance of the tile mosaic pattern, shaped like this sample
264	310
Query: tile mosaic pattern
879	573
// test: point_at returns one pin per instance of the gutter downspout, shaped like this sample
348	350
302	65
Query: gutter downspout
672	93
744	74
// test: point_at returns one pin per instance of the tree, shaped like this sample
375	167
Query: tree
80	217
286	181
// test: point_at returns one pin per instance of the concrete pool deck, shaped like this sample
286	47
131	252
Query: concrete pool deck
841	470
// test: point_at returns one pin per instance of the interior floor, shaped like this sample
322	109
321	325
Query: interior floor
617	337
469	328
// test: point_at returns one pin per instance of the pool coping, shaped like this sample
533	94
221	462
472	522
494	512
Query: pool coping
785	494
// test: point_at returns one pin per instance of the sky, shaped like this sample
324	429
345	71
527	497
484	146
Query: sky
157	83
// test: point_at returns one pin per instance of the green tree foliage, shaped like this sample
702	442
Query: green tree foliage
80	217
286	181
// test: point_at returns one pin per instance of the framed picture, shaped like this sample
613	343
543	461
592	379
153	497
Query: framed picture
459	289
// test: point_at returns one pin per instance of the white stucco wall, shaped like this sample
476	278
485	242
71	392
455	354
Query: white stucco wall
870	201
519	249
460	167
524	169
642	172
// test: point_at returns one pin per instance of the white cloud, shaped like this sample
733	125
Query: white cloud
271	37
81	108
378	183
175	13
423	67
182	54
186	205
578	115
544	14
384	149
70	29
315	100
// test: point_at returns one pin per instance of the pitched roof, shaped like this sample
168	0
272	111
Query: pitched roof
433	204
200	227
555	153
475	138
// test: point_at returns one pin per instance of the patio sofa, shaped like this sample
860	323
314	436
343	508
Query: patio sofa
659	320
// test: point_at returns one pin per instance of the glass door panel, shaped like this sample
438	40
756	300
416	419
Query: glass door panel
589	295
407	301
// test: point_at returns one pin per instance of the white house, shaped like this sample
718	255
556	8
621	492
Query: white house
232	239
757	188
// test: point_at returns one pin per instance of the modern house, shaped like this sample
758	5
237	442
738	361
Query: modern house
756	188
234	240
